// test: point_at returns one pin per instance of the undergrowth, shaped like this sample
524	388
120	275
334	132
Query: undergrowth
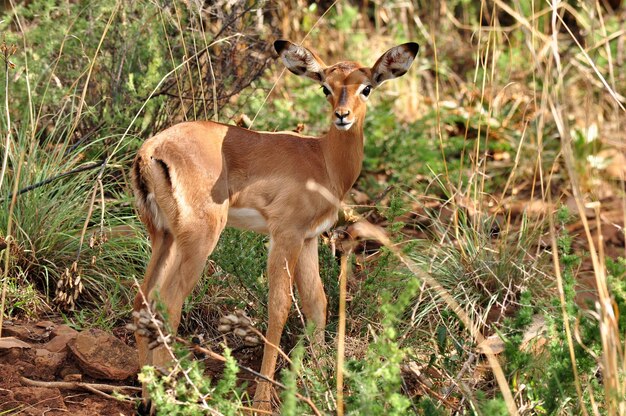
467	162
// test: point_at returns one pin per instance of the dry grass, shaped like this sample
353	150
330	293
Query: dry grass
542	80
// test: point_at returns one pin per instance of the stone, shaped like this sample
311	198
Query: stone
62	330
60	335
59	343
101	355
45	324
27	332
49	362
8	343
17	331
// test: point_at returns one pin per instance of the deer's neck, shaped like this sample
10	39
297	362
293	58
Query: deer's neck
343	153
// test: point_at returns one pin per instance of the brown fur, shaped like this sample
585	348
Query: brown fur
187	178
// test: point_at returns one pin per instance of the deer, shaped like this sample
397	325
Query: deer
195	178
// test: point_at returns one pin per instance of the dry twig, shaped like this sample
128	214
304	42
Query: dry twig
96	388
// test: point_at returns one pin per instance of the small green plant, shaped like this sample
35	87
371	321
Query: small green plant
187	390
290	405
375	382
547	373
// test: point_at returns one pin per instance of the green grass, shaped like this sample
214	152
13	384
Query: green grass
51	217
459	157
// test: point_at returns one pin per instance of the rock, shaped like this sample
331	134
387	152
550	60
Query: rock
17	331
26	332
49	362
63	330
9	343
42	396
101	355
61	336
45	324
59	343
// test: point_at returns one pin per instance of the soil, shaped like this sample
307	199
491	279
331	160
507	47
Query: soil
45	351
35	362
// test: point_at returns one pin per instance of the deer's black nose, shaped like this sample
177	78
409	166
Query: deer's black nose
342	113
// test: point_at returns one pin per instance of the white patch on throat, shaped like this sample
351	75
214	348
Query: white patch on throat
246	219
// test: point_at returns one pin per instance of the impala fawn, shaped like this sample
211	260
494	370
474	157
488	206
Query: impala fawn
195	178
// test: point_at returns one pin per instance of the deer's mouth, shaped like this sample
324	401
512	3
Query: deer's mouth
343	124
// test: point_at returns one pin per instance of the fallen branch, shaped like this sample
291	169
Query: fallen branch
96	388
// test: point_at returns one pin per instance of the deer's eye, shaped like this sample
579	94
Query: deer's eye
366	91
325	90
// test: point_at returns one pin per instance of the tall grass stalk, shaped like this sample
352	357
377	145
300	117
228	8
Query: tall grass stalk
9	240
7	52
341	332
614	384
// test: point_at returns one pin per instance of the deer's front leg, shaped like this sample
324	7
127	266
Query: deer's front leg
283	256
311	290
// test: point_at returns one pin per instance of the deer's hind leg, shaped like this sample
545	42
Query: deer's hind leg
162	253
192	246
185	217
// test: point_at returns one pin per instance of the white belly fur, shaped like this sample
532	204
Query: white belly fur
251	219
246	219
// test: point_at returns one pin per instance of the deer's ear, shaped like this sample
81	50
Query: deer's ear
300	60
394	63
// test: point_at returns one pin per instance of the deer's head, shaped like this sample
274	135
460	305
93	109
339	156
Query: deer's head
347	85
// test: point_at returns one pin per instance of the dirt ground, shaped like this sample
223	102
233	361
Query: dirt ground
50	353
28	350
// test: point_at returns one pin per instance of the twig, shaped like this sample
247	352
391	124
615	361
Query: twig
254	410
165	345
267	342
55	178
426	387
96	388
341	333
